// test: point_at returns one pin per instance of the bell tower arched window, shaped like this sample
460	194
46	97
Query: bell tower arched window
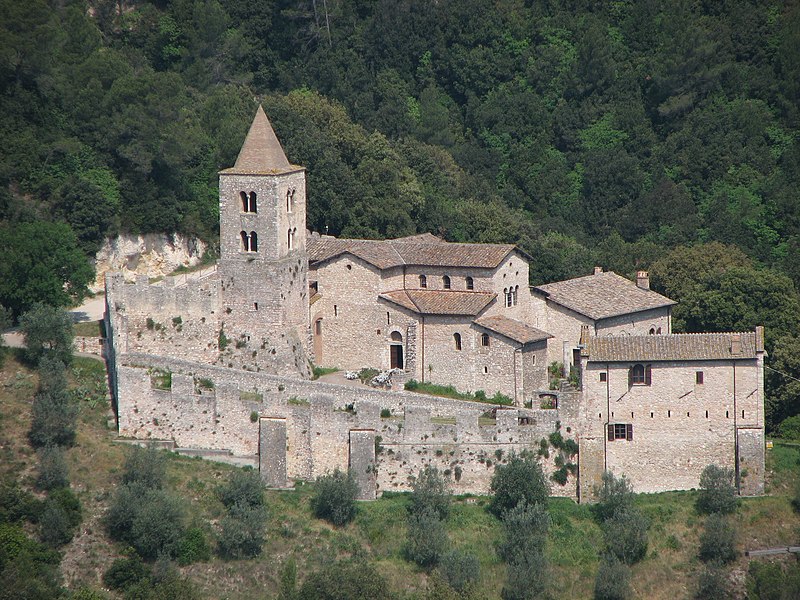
245	201
253	241
253	205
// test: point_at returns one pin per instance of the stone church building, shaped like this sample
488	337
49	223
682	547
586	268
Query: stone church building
654	405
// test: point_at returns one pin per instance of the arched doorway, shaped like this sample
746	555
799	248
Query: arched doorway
396	350
318	341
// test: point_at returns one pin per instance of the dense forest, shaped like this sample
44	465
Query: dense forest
629	134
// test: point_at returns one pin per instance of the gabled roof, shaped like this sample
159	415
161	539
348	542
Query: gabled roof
440	302
423	250
261	153
677	346
513	329
603	295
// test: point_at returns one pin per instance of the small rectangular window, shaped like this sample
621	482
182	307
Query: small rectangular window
485	370
620	431
603	376
698	377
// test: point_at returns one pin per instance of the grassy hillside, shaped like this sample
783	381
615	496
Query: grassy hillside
377	534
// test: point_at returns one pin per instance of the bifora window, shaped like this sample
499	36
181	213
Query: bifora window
639	375
620	431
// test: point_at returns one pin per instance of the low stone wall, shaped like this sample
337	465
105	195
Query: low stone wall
303	429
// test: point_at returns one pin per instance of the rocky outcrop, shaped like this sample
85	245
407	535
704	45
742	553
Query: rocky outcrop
151	254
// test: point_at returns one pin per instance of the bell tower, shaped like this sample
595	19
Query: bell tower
263	264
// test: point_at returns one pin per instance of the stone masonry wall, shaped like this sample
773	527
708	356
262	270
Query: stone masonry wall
678	425
320	419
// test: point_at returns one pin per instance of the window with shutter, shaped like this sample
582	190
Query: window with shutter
629	431
610	432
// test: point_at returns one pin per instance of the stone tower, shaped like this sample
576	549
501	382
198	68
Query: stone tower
263	264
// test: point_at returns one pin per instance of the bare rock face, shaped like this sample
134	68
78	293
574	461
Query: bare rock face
151	254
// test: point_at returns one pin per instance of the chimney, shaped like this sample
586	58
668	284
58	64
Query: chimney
598	270
759	338
736	344
642	280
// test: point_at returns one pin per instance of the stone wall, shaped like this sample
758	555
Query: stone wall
246	413
639	323
678	425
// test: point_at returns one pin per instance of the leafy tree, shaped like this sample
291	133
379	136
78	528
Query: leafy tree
783	384
47	331
53	419
244	487
613	494
144	467
521	479
718	540
54	526
527	578
626	535
712	584
525	527
717	492
157	526
613	580
242	531
42	263
430	494
346	581
427	538
461	570
53	472
335	497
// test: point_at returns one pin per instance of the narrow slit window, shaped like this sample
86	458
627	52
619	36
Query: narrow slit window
457	340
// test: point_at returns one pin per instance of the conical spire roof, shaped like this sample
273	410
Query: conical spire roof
261	153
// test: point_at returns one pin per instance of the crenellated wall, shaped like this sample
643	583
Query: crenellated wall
307	428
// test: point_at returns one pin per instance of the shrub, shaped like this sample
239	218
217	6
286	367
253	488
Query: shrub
53	419
525	529
521	479
718	540
430	493
626	535
717	492
427	538
244	487
335	497
345	581
47	331
773	581
385	413
193	547
67	500
144	467
17	504
125	572
527	577
712	584
242	532
613	581
789	429
55	528
122	511
461	570
52	374
157	526
613	494
53	471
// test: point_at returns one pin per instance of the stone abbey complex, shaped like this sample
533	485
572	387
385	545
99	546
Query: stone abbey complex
220	360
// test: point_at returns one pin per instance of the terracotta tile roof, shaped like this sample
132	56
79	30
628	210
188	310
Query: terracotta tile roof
424	251
678	346
603	295
441	302
513	329
425	238
261	153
